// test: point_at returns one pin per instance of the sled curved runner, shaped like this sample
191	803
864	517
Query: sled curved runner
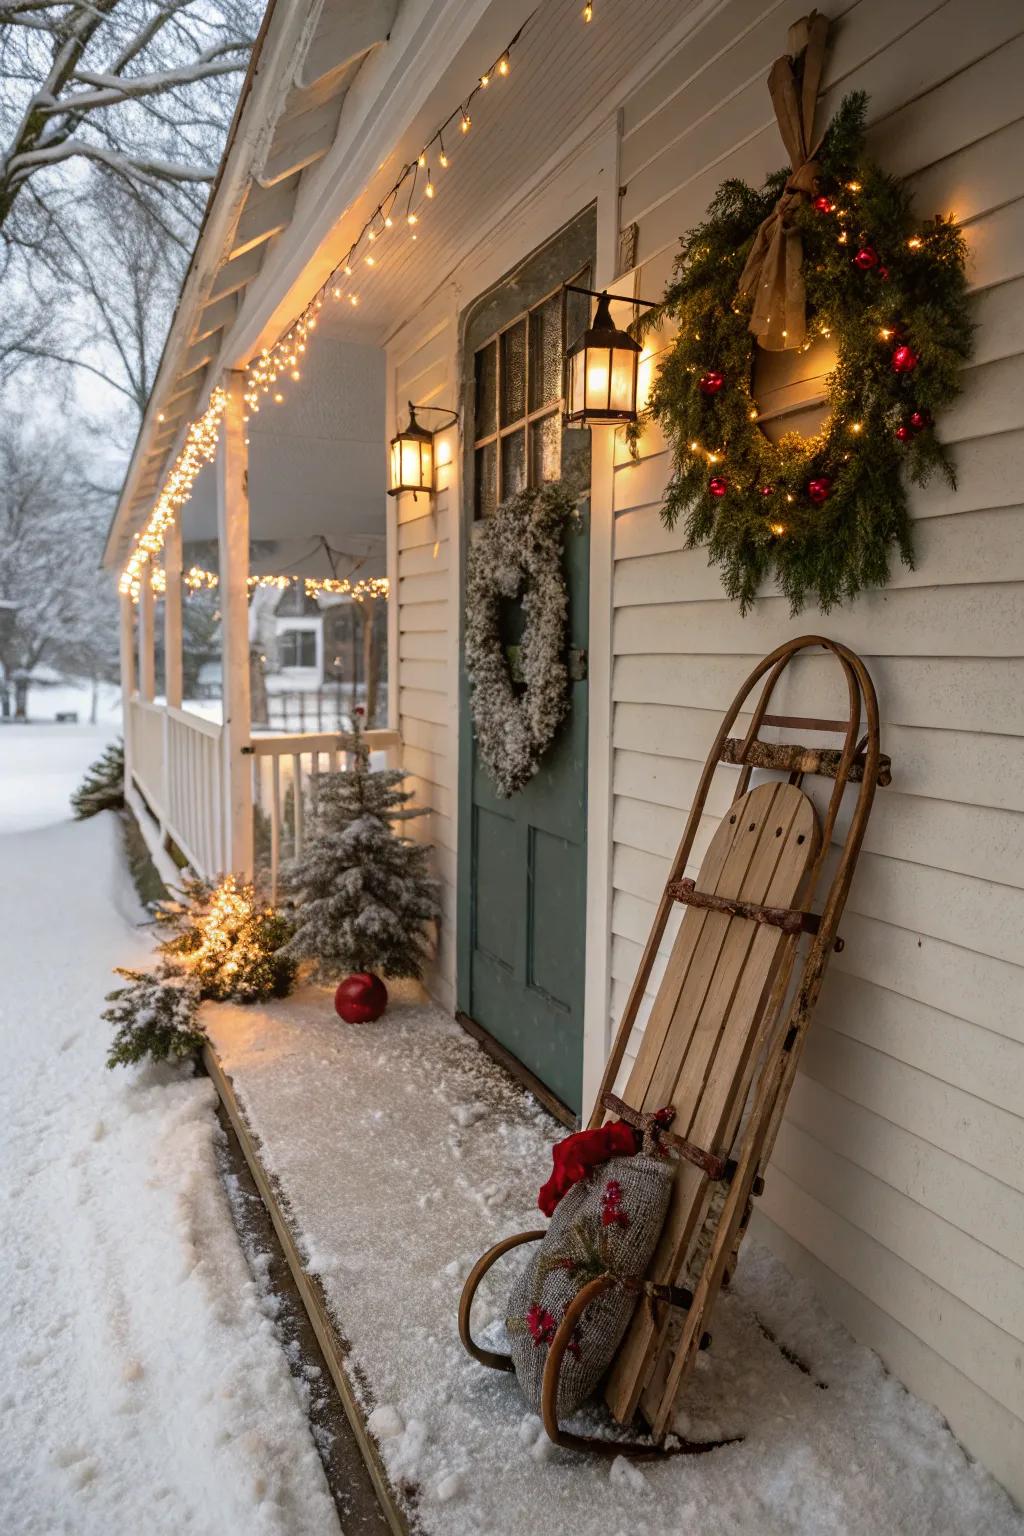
730	1012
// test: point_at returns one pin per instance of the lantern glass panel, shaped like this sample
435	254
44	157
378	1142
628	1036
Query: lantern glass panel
622	393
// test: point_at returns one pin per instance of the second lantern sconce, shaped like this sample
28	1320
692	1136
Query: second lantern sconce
412	453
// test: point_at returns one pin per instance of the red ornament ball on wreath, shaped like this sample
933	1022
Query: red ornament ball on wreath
822	204
819	490
920	419
904	359
903	433
361	998
717	486
866	258
711	383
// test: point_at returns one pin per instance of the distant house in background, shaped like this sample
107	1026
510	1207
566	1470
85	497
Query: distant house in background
315	659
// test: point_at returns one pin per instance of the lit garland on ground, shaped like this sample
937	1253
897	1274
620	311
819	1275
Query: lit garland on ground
820	513
200	448
198	579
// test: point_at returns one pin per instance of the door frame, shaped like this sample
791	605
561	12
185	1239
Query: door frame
580	236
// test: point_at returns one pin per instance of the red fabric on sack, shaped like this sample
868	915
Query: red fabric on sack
576	1155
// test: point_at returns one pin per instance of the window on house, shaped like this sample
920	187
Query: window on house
518	400
297	647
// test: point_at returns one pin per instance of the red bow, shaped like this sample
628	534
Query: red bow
576	1155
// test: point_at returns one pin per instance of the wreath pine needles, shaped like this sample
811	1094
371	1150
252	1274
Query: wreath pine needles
519	550
820	514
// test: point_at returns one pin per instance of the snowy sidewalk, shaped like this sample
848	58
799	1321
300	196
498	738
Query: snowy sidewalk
142	1387
400	1153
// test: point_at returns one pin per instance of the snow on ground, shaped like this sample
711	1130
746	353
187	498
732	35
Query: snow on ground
40	764
402	1153
142	1386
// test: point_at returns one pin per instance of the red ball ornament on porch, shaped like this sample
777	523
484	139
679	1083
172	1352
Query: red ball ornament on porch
711	383
717	486
921	418
904	359
866	258
822	204
819	490
903	432
361	998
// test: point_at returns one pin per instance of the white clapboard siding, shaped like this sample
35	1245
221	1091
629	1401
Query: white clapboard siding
421	369
896	1186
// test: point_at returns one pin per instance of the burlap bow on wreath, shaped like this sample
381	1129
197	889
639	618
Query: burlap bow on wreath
773	273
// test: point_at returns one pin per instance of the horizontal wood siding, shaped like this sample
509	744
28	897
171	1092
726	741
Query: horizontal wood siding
421	368
897	1185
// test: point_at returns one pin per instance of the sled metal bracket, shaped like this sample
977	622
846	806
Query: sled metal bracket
716	1168
789	919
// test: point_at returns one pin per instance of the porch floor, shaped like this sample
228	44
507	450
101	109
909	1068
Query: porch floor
396	1153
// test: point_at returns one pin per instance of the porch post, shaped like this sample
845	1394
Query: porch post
127	635
147	658
233	534
172	615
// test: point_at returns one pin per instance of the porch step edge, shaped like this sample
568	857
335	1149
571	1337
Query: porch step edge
312	1299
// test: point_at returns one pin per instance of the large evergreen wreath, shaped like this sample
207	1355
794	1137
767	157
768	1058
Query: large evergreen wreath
519	551
820	513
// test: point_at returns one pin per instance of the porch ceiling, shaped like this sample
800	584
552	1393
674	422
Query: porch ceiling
316	463
274	232
565	77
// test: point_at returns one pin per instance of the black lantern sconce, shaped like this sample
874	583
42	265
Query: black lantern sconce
602	367
412	453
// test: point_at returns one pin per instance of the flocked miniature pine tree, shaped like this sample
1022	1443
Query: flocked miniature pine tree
362	893
102	789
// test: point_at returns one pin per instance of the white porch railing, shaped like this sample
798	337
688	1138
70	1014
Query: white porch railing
147	752
195	790
286	774
177	764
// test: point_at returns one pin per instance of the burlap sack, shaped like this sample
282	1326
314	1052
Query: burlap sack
609	1222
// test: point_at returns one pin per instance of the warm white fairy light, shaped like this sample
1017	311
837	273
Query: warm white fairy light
200	448
263	372
198	579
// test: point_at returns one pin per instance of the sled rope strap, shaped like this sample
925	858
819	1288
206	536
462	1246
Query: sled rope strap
653	1125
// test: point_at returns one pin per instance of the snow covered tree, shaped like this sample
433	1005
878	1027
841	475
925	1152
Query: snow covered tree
102	789
363	894
156	1014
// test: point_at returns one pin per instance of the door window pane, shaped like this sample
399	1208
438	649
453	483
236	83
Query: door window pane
486	410
513	374
546	449
485	480
513	464
546	352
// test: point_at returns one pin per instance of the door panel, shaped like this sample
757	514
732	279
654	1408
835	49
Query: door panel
522	861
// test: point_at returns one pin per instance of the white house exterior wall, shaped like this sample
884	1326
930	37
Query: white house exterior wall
898	1182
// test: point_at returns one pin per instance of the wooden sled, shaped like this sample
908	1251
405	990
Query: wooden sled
725	1031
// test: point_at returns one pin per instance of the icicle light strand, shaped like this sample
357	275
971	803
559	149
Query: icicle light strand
198	579
200	448
287	354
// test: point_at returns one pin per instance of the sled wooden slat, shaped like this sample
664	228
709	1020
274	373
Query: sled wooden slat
772	837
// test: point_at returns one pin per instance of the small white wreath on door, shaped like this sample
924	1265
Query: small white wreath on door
518	552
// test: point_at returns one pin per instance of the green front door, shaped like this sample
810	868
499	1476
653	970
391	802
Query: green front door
522	862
